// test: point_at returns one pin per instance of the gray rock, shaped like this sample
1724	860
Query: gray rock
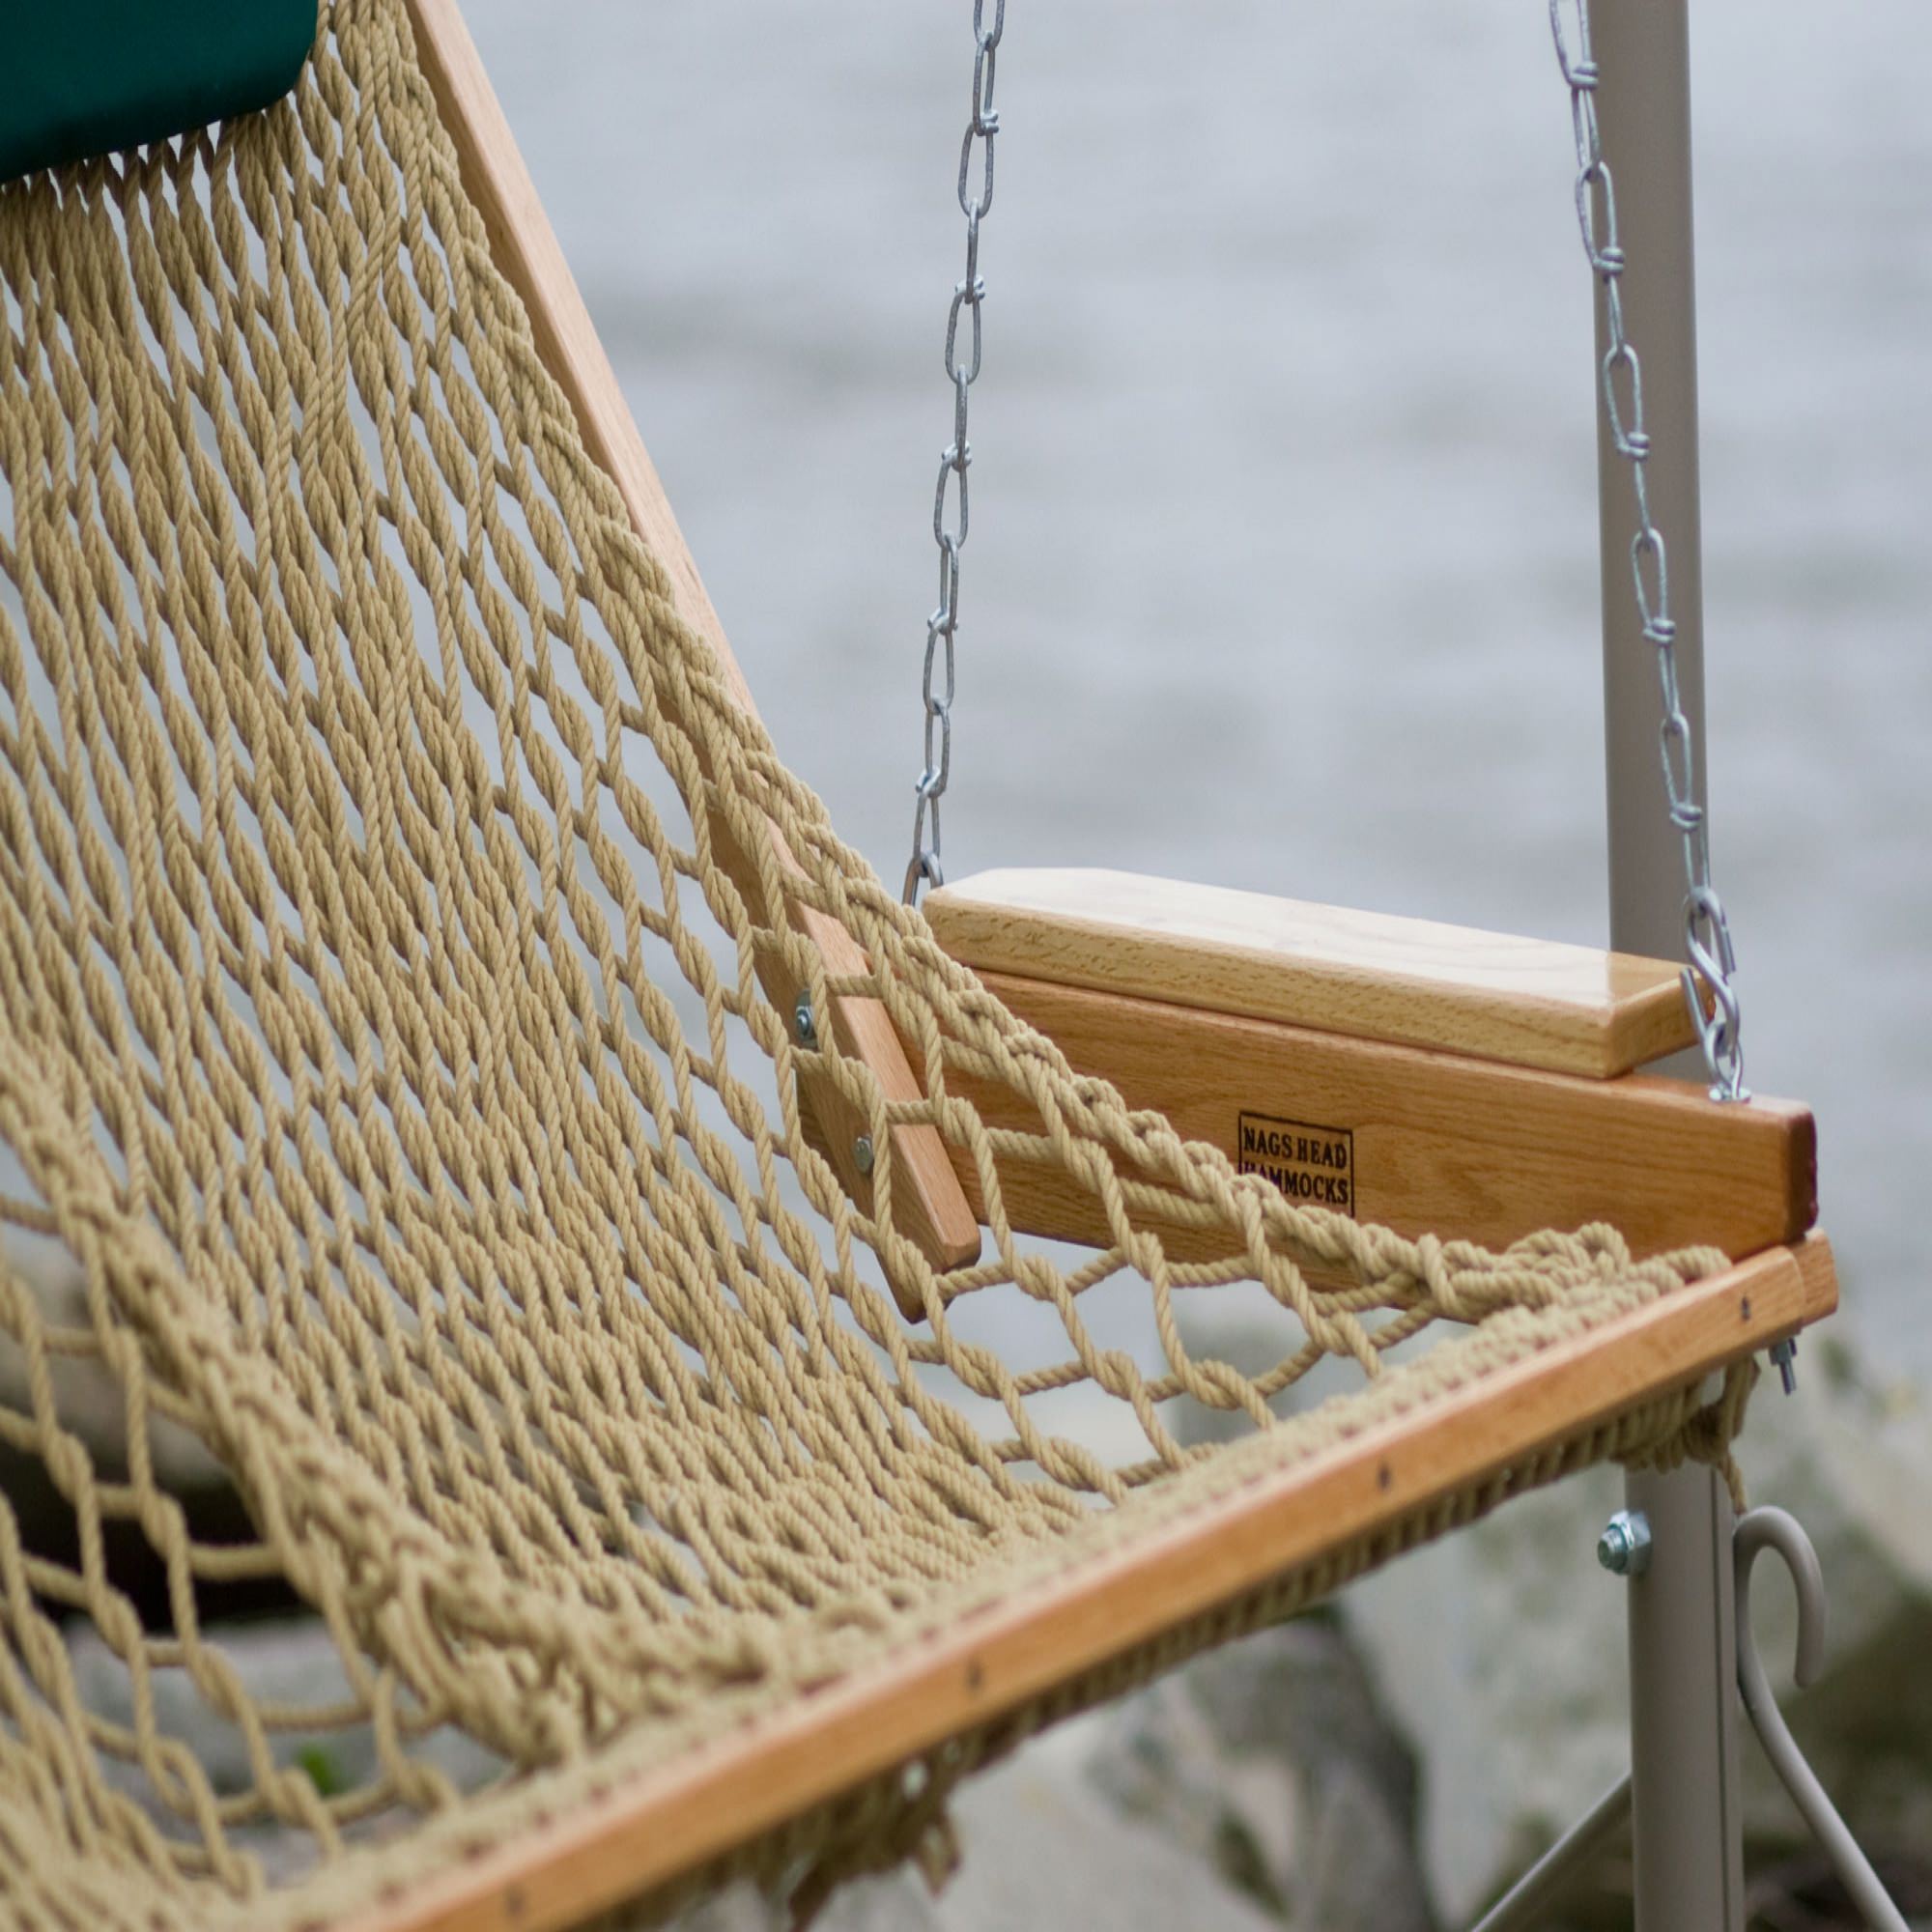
1271	1760
91	1405
1854	1463
90	1402
1039	1850
1501	1654
740	1909
898	1902
290	1664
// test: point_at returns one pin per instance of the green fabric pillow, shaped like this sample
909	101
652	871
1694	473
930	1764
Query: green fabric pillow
81	77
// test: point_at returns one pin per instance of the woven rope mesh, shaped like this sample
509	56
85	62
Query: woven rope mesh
401	1143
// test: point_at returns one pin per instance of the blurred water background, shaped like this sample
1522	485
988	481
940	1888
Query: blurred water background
1282	569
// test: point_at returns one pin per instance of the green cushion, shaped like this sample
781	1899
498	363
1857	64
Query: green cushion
81	77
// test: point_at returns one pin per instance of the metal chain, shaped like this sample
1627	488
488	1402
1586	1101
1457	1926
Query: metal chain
941	627
1707	931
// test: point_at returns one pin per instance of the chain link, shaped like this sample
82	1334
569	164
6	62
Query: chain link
1707	931
948	532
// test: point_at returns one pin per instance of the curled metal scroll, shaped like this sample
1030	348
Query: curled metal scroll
1777	1530
1759	1530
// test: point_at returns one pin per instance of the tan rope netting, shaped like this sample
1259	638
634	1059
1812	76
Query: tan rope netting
393	1118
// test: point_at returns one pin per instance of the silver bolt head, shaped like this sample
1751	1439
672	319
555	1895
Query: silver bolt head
861	1153
1624	1547
803	1024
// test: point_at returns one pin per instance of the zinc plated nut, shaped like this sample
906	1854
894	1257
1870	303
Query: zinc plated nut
861	1153
803	1024
1624	1547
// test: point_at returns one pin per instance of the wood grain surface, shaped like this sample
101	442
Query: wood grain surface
1423	1141
1417	983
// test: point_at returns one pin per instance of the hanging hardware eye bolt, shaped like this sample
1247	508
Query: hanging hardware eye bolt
1624	1547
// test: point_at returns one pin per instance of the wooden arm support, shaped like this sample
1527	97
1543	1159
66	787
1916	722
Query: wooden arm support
1390	1069
1373	976
927	1202
1452	1080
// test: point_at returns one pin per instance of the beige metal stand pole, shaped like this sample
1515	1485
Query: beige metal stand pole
1686	1802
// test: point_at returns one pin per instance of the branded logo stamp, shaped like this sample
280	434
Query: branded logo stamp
1313	1166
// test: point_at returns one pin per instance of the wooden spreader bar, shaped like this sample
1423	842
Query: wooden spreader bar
1415	1137
641	1834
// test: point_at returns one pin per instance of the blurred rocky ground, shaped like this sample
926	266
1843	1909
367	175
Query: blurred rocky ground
1394	1762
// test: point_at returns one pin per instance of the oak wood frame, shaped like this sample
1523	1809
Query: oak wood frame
1437	1142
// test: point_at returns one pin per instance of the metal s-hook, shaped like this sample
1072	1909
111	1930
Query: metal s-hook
1777	1530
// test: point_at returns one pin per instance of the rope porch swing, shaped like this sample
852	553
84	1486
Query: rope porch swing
456	1075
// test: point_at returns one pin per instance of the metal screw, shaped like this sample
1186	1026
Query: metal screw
1624	1547
861	1153
802	1023
1785	1354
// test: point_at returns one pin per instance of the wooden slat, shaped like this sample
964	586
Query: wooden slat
1530	1002
1420	1142
646	1831
929	1203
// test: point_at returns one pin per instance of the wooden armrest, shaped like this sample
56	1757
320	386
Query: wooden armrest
1416	1089
929	1205
1530	1002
